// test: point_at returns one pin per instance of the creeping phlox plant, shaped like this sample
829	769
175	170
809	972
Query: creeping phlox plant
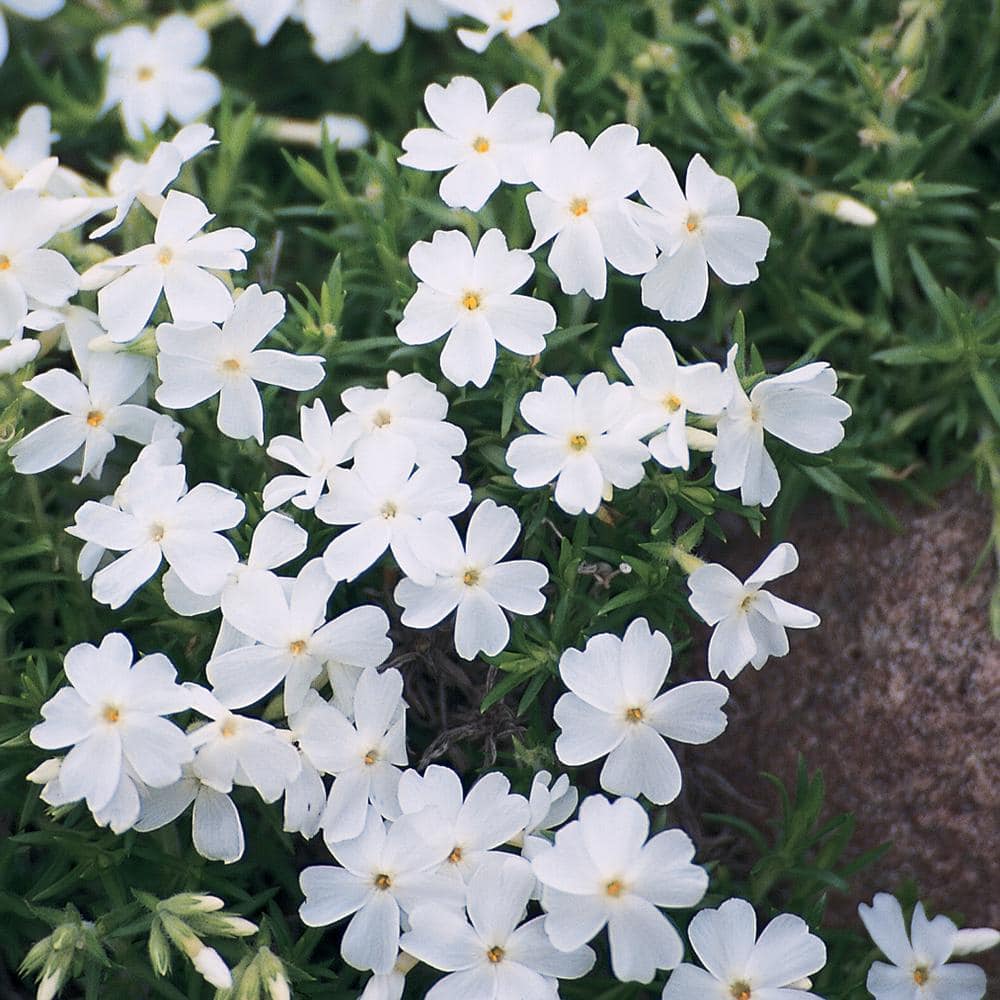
410	518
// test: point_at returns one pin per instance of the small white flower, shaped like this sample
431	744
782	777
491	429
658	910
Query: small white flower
216	829
473	580
30	276
479	146
177	264
601	871
491	953
198	362
470	298
695	231
614	707
550	804
161	520
119	814
152	74
338	29
236	749
584	441
27	162
146	182
667	392
385	874
37	10
365	755
385	498
798	407
582	201
918	970
94	416
293	637
411	407
749	622
477	823
266	16
322	447
305	800
112	715
507	17
742	966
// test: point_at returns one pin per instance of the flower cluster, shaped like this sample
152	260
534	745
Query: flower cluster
502	893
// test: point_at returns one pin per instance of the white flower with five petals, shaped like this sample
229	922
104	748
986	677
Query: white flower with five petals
749	622
614	707
502	17
469	296
479	146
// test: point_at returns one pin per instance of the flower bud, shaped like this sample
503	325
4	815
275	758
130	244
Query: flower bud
212	968
15	356
844	208
159	951
49	984
186	903
687	562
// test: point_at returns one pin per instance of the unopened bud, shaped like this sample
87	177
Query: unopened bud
185	903
844	208
700	440
213	970
902	190
49	984
15	356
347	131
159	951
687	562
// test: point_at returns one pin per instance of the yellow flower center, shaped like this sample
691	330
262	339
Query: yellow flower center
495	954
95	418
382	882
921	975
157	532
614	888
389	510
455	856
693	223
470	577
4	262
578	442
634	715
507	14
111	713
481	145
231	365
297	648
165	256
579	206
370	758
740	991
228	730
382	418
672	403
471	301
145	73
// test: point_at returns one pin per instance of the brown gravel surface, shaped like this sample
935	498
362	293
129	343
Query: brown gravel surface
896	696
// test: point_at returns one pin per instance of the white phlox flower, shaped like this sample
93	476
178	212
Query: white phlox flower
491	952
667	392
695	229
614	707
919	969
480	147
37	10
111	714
321	447
237	749
146	182
550	804
411	407
602	871
198	362
384	498
276	540
584	441
266	16
153	74
364	755
305	797
472	580
177	264
160	520
582	201
798	407
293	637
743	966
216	828
502	17
478	822
749	623
386	873
469	297
94	415
31	277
